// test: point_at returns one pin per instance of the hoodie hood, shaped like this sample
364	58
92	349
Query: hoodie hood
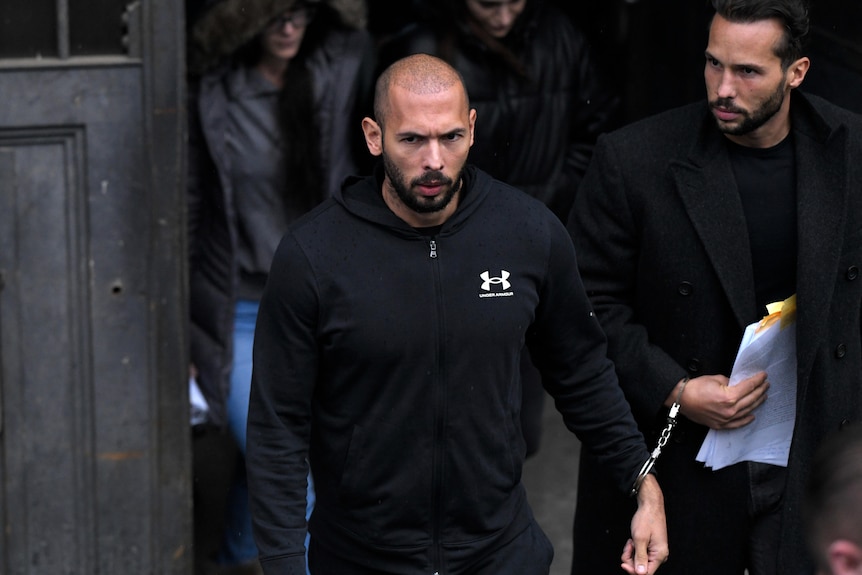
226	25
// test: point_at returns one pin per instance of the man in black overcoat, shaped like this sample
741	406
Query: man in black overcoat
686	225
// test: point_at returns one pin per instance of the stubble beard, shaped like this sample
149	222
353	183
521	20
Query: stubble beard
753	120
415	202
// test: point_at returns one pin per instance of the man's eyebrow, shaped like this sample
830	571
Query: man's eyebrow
737	66
755	67
412	134
409	133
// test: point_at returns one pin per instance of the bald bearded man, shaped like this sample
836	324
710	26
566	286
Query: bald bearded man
387	354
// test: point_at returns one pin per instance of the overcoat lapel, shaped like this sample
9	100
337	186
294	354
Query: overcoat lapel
708	191
707	187
821	182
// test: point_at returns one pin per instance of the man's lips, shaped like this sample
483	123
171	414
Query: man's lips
725	114
430	188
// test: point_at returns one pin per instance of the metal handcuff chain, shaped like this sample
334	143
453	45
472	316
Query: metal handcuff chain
664	437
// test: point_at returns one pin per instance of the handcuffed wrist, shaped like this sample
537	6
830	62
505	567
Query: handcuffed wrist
646	469
678	401
649	464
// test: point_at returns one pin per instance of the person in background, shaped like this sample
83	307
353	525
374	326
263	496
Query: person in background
387	18
386	355
542	101
686	226
832	507
277	89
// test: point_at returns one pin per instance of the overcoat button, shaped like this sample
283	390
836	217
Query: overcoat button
694	365
852	273
685	288
840	350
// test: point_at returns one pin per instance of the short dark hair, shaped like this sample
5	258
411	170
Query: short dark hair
793	15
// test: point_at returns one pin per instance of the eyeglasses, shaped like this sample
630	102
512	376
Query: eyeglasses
298	18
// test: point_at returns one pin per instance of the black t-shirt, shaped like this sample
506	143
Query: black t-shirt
766	178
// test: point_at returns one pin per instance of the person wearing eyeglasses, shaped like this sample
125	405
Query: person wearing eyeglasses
275	88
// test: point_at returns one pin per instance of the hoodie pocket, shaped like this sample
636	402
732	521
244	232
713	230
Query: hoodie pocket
386	484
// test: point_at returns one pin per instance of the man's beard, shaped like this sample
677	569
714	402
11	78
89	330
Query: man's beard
750	120
418	203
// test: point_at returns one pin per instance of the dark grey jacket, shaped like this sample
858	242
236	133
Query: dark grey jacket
342	67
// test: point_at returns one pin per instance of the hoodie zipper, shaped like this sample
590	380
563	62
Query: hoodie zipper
439	415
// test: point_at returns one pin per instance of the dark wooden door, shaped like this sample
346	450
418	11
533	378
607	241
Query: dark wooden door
94	441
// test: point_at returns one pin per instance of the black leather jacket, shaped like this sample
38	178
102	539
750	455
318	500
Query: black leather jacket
535	132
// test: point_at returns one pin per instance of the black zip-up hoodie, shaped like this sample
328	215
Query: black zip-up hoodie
390	358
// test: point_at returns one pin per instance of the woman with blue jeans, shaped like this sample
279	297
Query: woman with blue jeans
276	90
238	544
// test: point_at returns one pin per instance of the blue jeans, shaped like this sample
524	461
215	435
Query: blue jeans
239	545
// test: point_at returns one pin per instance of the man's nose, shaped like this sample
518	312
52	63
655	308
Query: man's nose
433	156
726	85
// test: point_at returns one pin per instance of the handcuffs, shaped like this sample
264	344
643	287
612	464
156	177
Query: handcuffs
662	441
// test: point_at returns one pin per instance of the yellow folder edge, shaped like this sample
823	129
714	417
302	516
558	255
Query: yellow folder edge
779	310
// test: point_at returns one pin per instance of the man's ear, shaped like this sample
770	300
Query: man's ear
472	125
797	71
373	136
845	557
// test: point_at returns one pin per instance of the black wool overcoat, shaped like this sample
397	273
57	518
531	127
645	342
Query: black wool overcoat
663	248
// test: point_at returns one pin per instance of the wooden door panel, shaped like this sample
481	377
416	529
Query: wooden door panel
94	437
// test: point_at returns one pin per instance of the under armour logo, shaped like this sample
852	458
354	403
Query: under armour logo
503	280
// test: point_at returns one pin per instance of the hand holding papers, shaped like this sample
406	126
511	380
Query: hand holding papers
768	345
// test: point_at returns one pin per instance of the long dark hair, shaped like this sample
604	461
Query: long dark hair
297	113
300	136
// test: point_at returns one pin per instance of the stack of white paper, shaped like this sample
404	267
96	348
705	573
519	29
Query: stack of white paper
768	345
